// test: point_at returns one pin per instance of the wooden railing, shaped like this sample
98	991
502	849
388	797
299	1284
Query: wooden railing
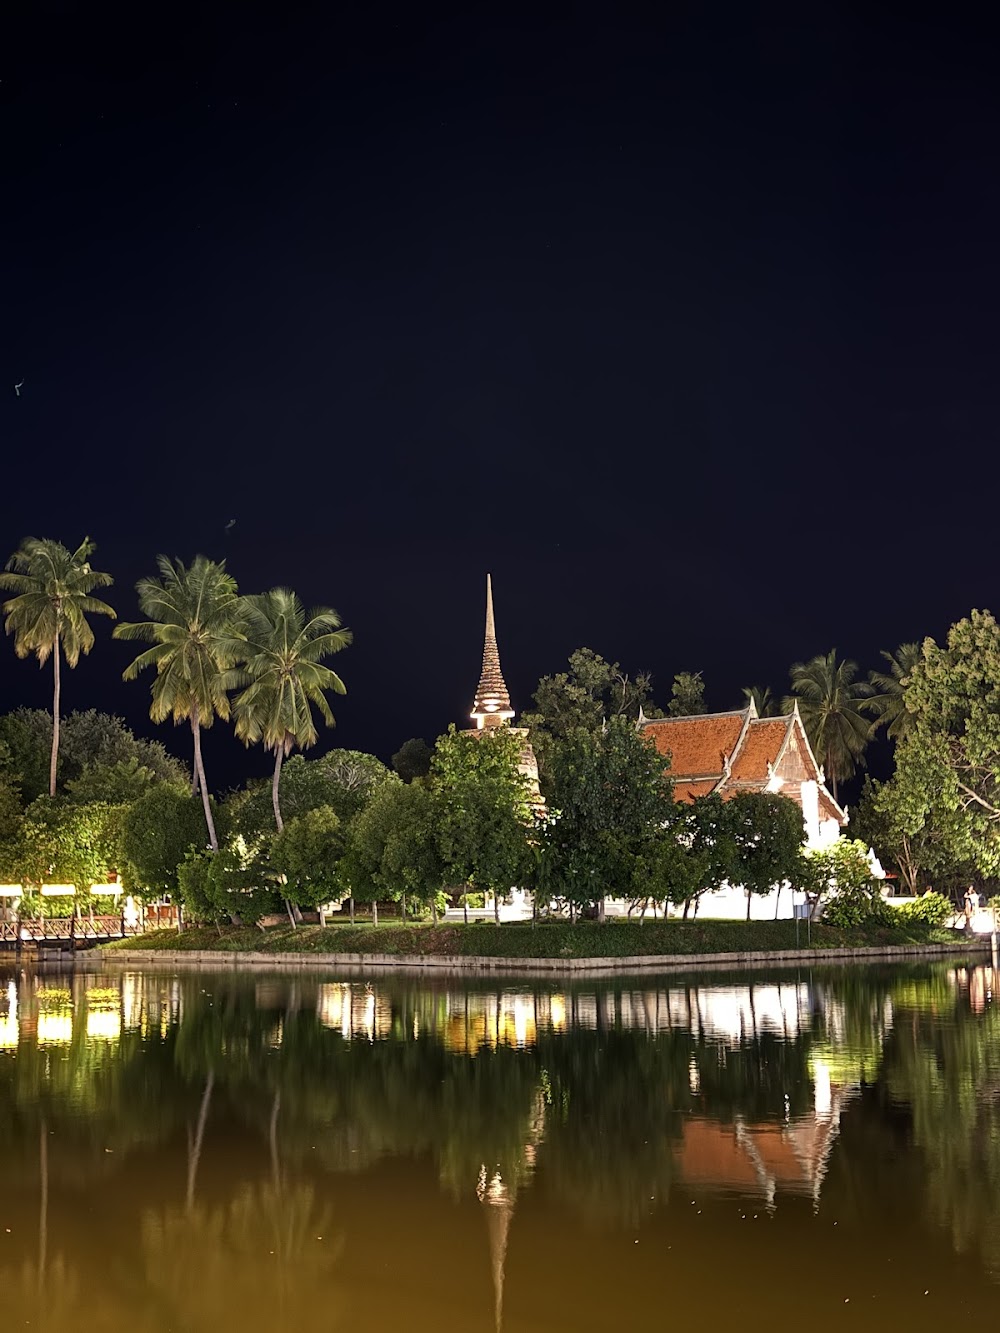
68	929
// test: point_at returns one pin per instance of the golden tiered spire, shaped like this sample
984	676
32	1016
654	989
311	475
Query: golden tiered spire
492	706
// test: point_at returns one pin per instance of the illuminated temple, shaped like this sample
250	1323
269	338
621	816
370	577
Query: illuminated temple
492	708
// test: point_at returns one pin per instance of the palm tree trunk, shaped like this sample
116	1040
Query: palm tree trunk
275	780
199	765
195	1141
56	688
832	775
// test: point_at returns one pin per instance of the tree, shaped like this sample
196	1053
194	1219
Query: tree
344	780
158	831
610	797
763	700
48	613
306	855
591	691
193	625
484	813
887	703
284	677
687	695
831	704
413	759
768	833
705	830
842	872
948	761
393	848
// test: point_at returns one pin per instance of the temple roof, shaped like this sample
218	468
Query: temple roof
737	751
492	703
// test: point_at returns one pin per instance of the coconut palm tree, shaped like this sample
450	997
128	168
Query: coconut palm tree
48	613
830	700
283	676
194	626
887	702
762	698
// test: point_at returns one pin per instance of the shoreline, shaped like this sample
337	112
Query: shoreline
249	960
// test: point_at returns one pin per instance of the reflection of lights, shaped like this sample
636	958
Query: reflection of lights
694	1077
8	1024
557	1011
102	1025
55	1029
822	1095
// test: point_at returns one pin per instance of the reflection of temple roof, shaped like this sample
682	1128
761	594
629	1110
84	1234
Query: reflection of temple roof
765	1159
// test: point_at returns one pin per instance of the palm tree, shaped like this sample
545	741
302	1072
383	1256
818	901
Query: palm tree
762	698
48	613
830	703
283	676
887	702
194	626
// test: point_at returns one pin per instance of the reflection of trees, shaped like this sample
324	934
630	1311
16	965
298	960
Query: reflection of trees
946	1068
263	1260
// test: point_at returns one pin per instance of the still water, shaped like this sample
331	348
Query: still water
204	1152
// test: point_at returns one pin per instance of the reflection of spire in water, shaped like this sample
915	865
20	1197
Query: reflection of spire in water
499	1211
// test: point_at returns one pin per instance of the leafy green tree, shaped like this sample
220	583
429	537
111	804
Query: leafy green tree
887	703
225	886
121	783
484	814
284	677
591	691
66	844
706	831
768	832
193	623
413	759
86	740
831	702
610	797
47	615
762	698
393	848
948	761
158	832
687	695
306	855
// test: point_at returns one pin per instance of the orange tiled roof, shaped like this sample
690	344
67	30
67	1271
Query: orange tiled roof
689	791
698	746
764	739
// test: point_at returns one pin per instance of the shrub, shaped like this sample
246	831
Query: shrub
933	909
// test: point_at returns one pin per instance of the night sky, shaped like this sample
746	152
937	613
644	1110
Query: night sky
685	326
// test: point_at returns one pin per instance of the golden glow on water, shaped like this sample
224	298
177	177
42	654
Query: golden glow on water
206	1152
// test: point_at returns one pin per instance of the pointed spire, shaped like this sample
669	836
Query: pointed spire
492	706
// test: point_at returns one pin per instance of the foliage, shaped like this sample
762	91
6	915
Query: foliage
933	909
484	813
591	691
687	695
763	700
610	801
222	886
88	740
948	763
413	759
768	833
59	842
831	703
48	613
910	837
393	847
193	624
158	831
842	872
344	780
887	703
283	676
306	855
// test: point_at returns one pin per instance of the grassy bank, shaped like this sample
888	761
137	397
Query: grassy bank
586	939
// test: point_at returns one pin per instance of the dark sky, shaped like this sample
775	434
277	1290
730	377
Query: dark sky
685	325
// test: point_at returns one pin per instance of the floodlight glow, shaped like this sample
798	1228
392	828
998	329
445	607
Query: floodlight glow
58	890
106	890
11	891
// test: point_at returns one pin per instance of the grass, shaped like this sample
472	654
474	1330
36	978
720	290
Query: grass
551	939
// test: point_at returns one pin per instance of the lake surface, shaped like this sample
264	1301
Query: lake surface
262	1152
